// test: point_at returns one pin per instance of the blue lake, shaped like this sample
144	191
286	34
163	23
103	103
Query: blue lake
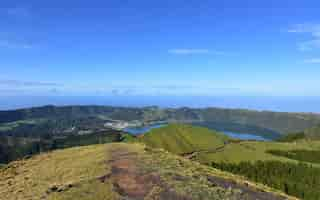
241	136
245	136
142	129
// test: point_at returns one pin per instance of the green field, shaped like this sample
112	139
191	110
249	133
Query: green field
254	151
182	139
213	146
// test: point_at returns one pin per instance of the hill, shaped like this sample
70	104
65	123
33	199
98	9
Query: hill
183	139
270	163
122	171
264	122
312	133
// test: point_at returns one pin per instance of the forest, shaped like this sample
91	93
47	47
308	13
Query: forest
300	155
300	180
13	148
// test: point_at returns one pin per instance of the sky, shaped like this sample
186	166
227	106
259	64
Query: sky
160	48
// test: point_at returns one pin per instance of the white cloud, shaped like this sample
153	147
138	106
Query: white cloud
313	61
313	30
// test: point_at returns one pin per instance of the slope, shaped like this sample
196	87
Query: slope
183	139
122	171
312	133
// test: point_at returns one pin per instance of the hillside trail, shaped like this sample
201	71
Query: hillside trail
133	183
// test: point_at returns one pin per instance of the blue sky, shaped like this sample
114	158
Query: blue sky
167	47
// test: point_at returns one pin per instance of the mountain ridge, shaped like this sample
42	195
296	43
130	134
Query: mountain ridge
279	122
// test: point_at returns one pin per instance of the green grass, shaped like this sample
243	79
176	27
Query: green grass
181	139
254	151
75	172
128	138
292	137
300	155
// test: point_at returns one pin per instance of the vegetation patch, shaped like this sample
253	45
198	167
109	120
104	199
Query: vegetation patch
236	152
121	171
292	137
13	148
300	180
64	174
300	155
183	139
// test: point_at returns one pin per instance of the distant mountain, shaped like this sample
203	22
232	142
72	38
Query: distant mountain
254	121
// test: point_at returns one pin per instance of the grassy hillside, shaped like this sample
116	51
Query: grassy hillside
182	139
254	151
118	171
277	164
210	146
312	133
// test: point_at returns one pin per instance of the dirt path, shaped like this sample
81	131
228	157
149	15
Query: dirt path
132	183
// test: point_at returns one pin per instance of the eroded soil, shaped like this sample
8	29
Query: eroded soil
132	183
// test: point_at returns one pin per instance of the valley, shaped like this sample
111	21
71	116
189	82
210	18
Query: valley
123	149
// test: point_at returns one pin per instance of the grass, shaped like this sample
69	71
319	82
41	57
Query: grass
300	155
215	147
193	177
254	151
75	167
181	139
73	174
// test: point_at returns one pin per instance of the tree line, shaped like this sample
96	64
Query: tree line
299	180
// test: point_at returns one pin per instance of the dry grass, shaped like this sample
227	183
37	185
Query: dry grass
45	176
